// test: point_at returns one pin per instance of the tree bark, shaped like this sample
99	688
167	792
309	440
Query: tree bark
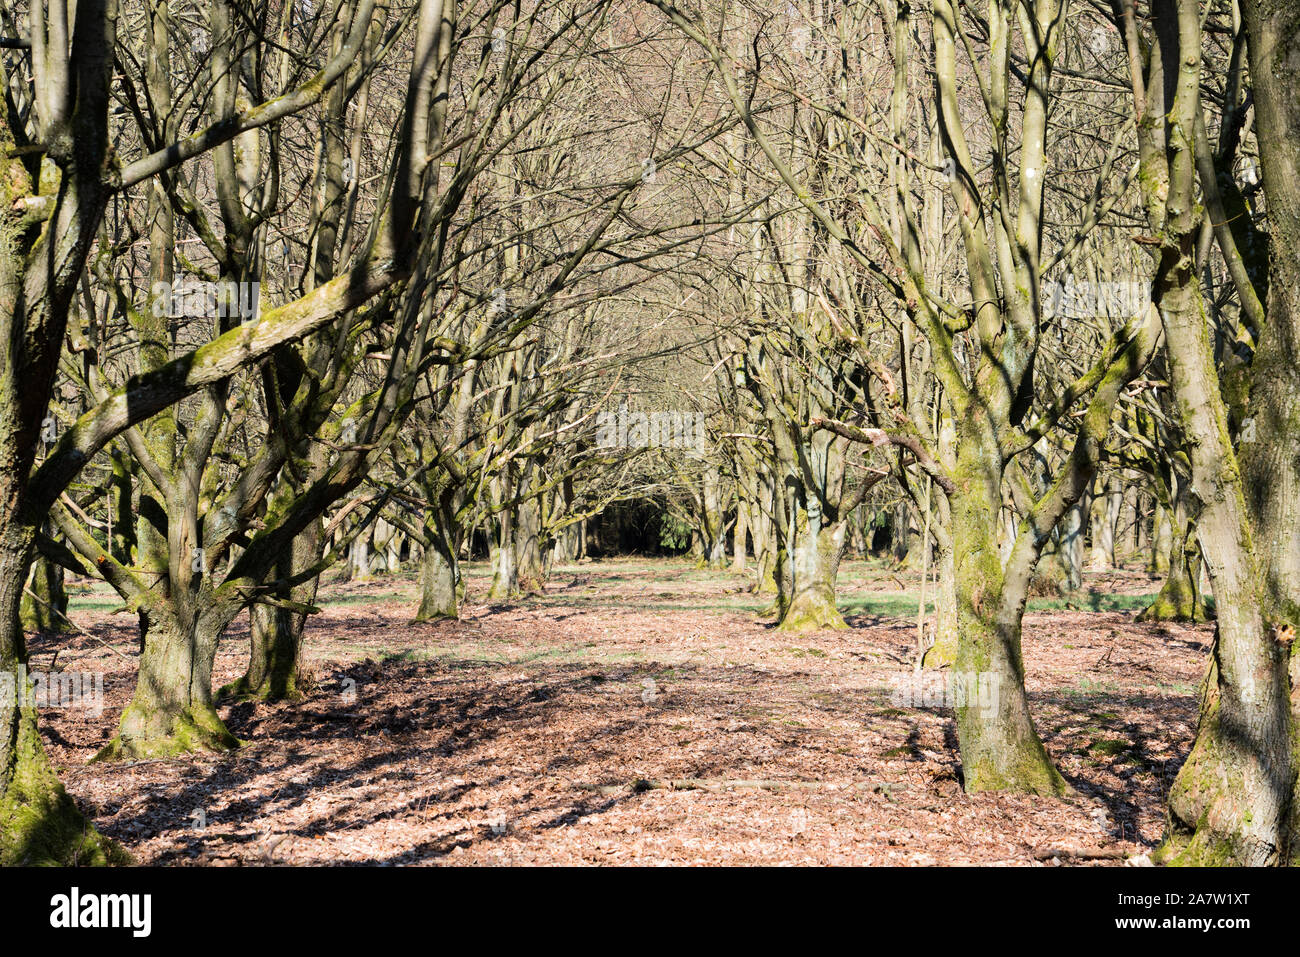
172	710
1179	598
276	636
814	563
45	602
530	575
1000	747
439	575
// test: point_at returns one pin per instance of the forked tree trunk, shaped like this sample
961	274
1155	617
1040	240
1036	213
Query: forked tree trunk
172	710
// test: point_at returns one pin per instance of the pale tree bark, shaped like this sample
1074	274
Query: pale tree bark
1233	801
1179	598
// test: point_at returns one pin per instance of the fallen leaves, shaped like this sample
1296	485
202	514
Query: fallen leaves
521	735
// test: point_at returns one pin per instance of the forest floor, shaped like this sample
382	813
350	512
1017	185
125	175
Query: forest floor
552	730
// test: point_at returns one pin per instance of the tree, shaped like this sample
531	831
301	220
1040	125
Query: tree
1234	800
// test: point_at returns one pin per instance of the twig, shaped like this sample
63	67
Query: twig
639	785
74	625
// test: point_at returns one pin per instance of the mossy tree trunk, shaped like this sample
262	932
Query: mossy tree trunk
274	657
45	602
39	823
1271	465
1000	747
814	561
42	261
1179	598
708	520
172	710
439	578
276	630
811	539
1235	798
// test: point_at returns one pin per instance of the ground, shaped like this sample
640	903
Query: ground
641	712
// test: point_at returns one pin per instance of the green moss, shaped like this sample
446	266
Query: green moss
1108	746
812	611
268	692
39	823
192	731
1027	771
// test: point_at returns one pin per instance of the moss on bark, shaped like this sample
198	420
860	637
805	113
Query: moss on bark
39	822
155	734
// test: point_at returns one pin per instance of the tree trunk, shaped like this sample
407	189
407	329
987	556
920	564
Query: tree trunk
740	538
1101	532
44	610
814	564
359	558
1231	800
505	578
39	823
1000	748
1271	465
901	526
275	656
276	633
530	574
944	650
439	574
172	710
1070	548
1179	598
1162	541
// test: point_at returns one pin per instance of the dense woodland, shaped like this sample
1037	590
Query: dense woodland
998	295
